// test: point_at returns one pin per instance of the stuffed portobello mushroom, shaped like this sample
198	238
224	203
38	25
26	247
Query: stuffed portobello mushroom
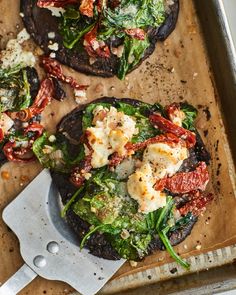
103	38
131	175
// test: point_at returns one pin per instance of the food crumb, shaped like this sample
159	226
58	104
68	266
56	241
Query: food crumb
5	175
173	270
133	263
24	178
185	246
198	247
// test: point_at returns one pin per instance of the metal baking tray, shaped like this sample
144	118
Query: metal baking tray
214	271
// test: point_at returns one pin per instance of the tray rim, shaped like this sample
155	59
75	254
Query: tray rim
219	257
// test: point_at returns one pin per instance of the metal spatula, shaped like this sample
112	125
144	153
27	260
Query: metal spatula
47	244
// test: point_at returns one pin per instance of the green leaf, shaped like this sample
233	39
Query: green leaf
163	236
55	155
88	235
73	27
134	50
190	116
135	14
71	201
164	214
15	89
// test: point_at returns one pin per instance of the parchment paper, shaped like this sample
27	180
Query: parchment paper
177	71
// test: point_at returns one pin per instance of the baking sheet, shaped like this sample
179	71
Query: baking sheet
178	70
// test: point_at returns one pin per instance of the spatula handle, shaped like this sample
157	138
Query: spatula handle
18	281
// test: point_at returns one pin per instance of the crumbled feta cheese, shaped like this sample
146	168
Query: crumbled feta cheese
177	117
80	96
87	176
51	35
124	234
23	36
5	122
111	132
52	138
56	11
198	247
14	54
4	99
52	54
133	263
53	46
47	149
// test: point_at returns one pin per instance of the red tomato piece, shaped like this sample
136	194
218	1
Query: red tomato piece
167	126
94	47
197	204
137	33
86	7
184	182
53	68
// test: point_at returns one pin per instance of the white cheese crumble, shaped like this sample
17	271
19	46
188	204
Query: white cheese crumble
53	46
56	11
5	122
80	96
177	117
52	138
14	54
51	35
52	54
23	36
159	160
110	134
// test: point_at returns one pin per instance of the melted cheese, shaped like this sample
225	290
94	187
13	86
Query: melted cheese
159	160
111	132
141	188
5	122
164	159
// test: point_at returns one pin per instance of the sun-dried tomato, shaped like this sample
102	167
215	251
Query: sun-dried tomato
172	109
131	148
167	126
55	3
94	47
18	154
86	7
53	68
137	33
100	4
36	128
1	135
184	182
42	99
197	204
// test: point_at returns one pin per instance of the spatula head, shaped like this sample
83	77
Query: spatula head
47	243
